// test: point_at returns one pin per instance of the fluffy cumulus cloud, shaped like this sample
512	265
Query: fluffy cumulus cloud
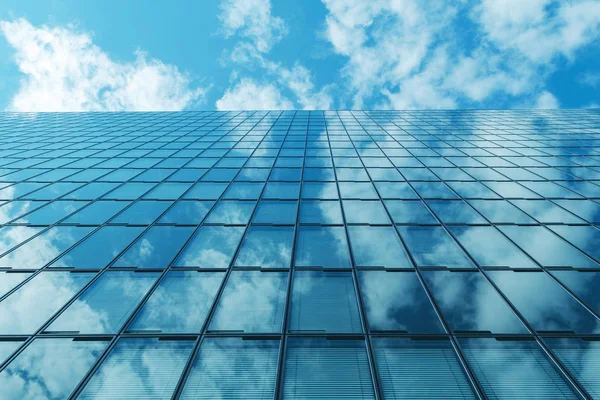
436	54
64	71
249	95
546	100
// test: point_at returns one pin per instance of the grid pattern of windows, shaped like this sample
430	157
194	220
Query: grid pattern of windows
296	254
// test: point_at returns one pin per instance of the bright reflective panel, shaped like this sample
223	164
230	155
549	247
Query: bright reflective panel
545	305
275	212
365	212
266	247
8	281
233	368
97	213
141	368
377	246
15	209
514	370
470	304
142	213
547	212
431	246
180	303
231	212
26	309
324	302
581	357
501	212
396	301
455	212
409	212
106	304
51	213
252	302
324	212
419	369
211	247
586	238
584	284
186	213
327	369
50	368
322	246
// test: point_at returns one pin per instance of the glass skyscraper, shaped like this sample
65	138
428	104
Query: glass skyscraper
300	255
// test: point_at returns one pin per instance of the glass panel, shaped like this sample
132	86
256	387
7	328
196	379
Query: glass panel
358	190
320	212
97	213
586	238
180	304
326	369
419	369
546	212
231	212
512	190
16	208
489	248
233	368
51	213
129	191
455	212
26	309
252	302
584	284
586	209
324	302
141	369
322	246
99	249
91	191
8	281
319	190
396	301
433	190
206	191
432	246
409	212
365	212
50	368
187	212
545	305
282	190
514	370
546	248
167	191
44	248
211	247
472	190
11	236
276	212
266	247
7	348
377	246
244	191
395	190
470	304
581	357
142	213
501	212
156	248
106	304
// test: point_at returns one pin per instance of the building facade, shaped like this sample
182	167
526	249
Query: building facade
296	255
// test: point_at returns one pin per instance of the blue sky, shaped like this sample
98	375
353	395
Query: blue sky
314	54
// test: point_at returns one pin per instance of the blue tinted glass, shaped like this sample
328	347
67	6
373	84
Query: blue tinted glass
8	281
211	247
324	302
455	212
275	212
43	248
409	212
433	190
514	370
322	246
233	368
545	305
319	190
97	213
167	191
377	246
187	175
358	190
186	212
45	293
551	190
14	209
365	212
99	249
53	191
253	174
352	174
266	247
206	191
395	190
319	174
91	191
327	369
396	301
419	369
431	246
586	209
11	236
546	248
50	368
231	212
286	174
547	212
473	190
219	175
17	190
489	248
282	190
579	356
156	248
141	368
7	348
180	304
106	304
51	213
512	190
129	191
244	191
470	304
583	284
501	212
417	174
153	175
320	212
142	212
252	302
586	238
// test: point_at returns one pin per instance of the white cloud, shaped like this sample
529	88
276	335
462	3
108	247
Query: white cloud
591	79
249	95
65	71
252	19
546	100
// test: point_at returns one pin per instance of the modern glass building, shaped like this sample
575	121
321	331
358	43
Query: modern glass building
300	255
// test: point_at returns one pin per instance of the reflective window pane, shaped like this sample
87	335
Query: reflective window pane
431	246
322	212
322	246
211	247
266	247
377	246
